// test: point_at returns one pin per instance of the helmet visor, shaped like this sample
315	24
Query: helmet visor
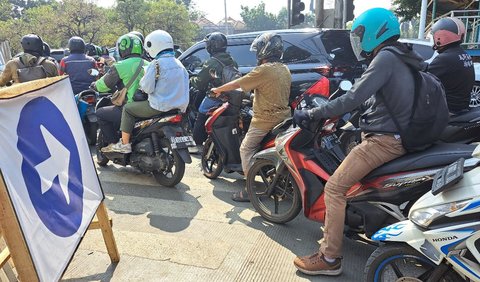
356	42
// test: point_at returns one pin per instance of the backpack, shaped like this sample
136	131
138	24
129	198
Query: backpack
229	73
429	115
29	73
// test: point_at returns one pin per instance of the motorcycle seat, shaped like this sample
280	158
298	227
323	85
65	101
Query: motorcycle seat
164	114
471	116
277	129
441	154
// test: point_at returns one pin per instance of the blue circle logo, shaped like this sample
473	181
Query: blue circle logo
51	166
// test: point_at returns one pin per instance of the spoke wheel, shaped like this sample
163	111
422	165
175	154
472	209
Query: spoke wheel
212	165
401	263
280	205
475	96
173	173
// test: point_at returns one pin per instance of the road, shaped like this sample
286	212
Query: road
195	232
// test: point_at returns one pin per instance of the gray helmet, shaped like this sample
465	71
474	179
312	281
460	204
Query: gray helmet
76	45
268	46
32	44
216	42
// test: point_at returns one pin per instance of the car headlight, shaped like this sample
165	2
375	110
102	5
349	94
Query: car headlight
424	217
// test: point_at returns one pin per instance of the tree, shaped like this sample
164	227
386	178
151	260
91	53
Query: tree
132	13
5	10
257	18
20	6
407	9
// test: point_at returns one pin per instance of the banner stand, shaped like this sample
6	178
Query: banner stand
17	248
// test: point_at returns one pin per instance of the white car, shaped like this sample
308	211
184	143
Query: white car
424	48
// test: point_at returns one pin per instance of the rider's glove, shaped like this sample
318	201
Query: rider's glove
302	117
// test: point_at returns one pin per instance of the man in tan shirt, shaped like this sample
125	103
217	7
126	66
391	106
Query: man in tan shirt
271	82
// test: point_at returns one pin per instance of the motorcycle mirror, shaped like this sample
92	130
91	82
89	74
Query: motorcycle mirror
345	85
93	72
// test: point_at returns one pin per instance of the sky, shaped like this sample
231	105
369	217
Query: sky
215	11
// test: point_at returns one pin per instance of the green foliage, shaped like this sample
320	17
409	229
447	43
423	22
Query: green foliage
282	19
407	9
257	18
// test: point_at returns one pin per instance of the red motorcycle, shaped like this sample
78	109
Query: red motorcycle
292	175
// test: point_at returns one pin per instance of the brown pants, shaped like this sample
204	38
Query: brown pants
374	151
250	146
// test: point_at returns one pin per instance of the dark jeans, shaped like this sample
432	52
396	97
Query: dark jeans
199	132
109	122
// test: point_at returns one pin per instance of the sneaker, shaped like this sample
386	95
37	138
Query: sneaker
317	265
118	147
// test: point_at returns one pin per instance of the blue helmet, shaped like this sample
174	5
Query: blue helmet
372	28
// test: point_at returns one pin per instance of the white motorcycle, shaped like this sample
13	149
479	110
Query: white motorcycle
441	239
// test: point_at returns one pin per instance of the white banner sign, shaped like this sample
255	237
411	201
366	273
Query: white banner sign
49	174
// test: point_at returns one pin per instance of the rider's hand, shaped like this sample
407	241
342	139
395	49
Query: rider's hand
216	91
302	117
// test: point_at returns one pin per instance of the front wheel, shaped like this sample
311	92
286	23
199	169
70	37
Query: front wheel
283	202
174	169
212	164
400	262
475	95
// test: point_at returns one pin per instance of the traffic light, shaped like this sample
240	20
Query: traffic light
297	16
350	9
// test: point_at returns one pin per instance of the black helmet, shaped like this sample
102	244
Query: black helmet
138	34
76	45
33	44
268	46
105	50
46	49
216	42
91	50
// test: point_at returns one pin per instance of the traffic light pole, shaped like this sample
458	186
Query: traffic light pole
344	16
289	13
319	15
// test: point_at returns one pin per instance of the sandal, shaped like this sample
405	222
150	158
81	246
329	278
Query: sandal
241	196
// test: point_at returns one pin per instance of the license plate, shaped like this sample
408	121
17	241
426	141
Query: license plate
181	142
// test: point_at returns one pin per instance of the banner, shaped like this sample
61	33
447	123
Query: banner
49	173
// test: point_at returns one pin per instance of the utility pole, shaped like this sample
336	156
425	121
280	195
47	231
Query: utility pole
226	21
423	19
319	14
337	18
289	13
344	14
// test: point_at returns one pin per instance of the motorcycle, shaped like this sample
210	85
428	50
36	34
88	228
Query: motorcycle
440	241
292	175
86	101
159	147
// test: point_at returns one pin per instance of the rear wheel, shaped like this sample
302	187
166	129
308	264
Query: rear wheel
475	95
280	205
400	262
212	165
173	173
101	159
91	133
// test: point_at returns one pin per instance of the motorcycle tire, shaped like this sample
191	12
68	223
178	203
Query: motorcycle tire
285	190
101	159
213	166
91	133
379	265
170	178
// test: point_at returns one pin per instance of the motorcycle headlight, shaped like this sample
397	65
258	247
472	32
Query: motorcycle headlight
424	217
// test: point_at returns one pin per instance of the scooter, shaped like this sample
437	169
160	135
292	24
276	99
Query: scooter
440	241
292	175
159	147
86	101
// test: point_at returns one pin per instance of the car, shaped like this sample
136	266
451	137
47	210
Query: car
424	48
59	54
310	54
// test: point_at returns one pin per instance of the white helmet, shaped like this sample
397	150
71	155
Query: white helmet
157	41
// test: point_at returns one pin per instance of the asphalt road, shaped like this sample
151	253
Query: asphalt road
195	232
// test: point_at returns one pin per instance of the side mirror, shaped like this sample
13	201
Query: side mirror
93	72
345	85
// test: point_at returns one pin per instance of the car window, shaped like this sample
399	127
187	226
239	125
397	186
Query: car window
337	45
242	55
195	60
293	53
424	50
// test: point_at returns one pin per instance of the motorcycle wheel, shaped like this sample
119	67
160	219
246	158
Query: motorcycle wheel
175	170
91	133
212	166
101	159
400	262
284	203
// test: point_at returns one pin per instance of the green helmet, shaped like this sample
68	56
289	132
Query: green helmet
129	45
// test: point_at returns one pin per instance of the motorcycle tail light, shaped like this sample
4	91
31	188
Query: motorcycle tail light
89	99
175	119
321	87
324	70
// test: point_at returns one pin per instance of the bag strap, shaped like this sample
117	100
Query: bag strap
135	75
223	65
40	61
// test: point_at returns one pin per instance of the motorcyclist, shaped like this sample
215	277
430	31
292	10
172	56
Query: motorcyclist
77	64
453	66
32	46
145	55
271	82
106	58
372	33
216	45
130	50
166	83
46	53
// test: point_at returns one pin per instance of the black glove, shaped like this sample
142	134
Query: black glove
302	118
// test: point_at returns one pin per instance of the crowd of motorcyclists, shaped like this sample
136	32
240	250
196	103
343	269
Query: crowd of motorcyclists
157	82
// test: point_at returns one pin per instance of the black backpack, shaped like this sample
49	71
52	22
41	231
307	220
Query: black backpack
429	115
230	73
29	73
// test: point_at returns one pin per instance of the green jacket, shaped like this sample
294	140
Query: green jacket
204	80
120	74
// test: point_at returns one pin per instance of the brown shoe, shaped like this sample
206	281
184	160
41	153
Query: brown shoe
317	265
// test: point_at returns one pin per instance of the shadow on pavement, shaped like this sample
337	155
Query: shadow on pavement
103	277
